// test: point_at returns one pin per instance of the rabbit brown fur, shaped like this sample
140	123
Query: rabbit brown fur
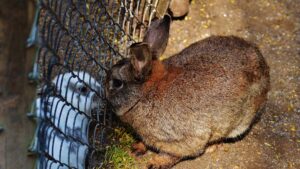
211	90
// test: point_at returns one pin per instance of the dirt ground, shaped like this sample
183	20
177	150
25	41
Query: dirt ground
274	142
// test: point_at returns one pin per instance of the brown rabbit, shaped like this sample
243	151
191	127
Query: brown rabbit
211	90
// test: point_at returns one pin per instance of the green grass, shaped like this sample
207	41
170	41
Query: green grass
117	155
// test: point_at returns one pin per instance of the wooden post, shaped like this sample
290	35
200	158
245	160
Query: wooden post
15	92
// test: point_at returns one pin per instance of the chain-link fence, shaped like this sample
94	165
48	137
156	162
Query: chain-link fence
77	42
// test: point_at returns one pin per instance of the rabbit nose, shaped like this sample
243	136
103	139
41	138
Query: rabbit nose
110	88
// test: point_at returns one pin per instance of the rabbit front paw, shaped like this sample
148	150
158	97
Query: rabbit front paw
138	148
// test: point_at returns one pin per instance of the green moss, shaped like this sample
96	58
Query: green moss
118	158
117	155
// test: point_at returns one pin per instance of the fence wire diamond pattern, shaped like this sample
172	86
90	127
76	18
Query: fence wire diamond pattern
77	42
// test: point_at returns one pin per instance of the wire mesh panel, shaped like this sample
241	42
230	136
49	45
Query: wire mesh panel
78	41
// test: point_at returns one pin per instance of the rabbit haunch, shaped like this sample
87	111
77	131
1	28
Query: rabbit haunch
220	84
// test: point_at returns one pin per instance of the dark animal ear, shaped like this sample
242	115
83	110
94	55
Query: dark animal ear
157	35
141	60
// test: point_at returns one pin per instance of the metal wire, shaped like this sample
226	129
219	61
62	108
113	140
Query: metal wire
78	41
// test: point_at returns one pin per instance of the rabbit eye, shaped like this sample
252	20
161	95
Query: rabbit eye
117	83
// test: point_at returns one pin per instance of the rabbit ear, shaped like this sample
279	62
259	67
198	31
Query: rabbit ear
141	59
157	35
